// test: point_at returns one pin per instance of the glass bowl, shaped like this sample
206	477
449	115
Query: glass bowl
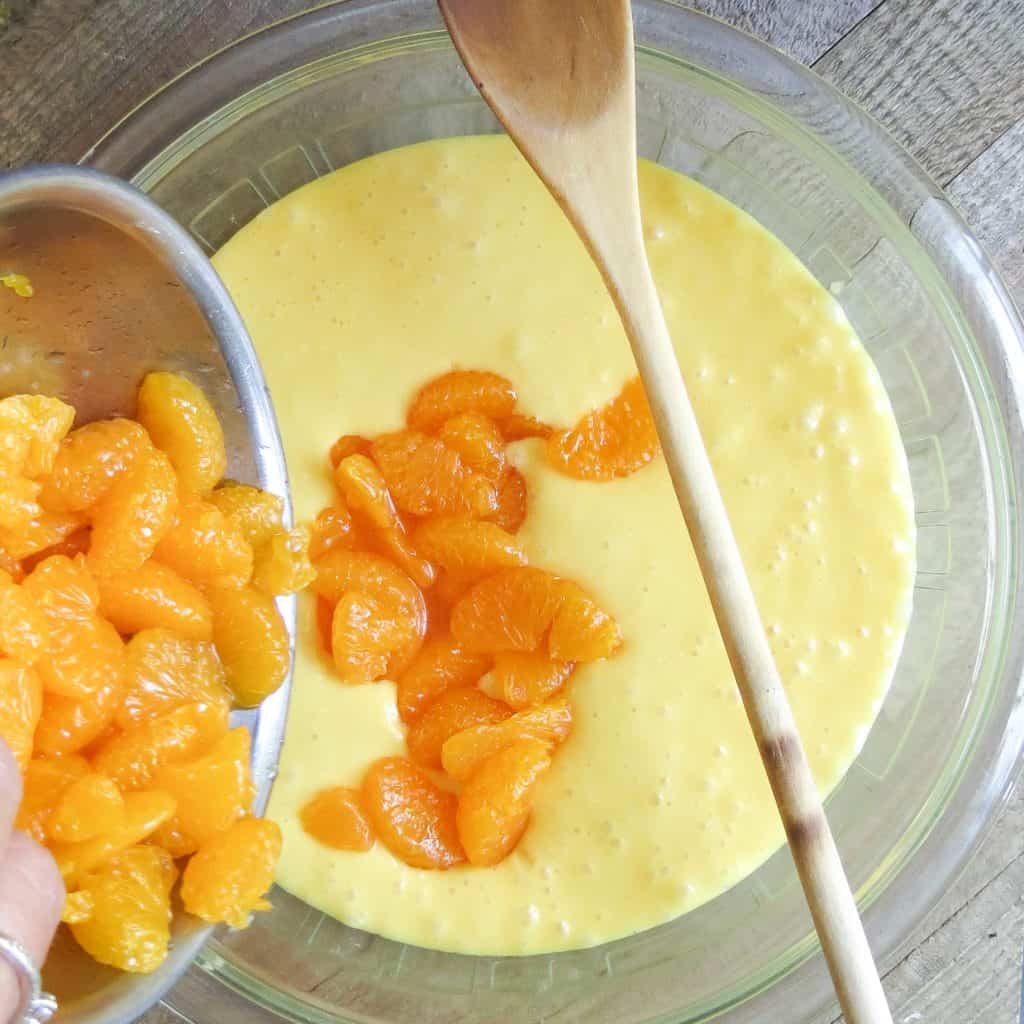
345	80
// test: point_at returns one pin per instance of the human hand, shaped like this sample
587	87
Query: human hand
31	889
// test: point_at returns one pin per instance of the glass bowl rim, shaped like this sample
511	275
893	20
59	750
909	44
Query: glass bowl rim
1001	441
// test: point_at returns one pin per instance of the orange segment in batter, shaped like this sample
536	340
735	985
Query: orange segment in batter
426	477
509	611
494	807
524	678
412	816
613	441
478	442
512	501
379	619
460	391
365	492
466	751
439	666
468	548
453	711
335	817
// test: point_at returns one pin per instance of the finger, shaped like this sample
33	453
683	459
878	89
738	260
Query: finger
10	792
31	898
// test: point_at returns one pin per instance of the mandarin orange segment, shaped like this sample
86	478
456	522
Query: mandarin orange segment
167	670
154	596
335	817
252	642
41	533
32	428
613	441
478	442
83	656
18	502
451	712
10	565
144	813
62	588
43	782
518	427
281	565
440	665
205	547
332	528
463	753
468	548
425	477
412	816
68	725
258	514
134	758
494	807
132	518
364	490
78	907
182	423
88	807
510	611
23	629
127	924
212	791
21	702
88	462
581	629
444	595
460	391
346	445
512	501
524	678
380	618
72	546
227	879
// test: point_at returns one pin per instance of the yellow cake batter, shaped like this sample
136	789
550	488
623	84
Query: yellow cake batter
360	287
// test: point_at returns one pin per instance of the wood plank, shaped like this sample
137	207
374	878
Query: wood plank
944	77
70	69
963	962
803	29
990	195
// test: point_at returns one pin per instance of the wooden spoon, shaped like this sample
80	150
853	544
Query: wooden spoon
559	75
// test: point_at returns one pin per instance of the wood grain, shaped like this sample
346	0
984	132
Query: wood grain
944	77
990	195
804	29
71	70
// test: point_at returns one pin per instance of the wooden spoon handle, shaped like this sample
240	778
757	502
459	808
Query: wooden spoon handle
814	850
560	75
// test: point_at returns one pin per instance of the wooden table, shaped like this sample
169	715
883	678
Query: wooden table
946	78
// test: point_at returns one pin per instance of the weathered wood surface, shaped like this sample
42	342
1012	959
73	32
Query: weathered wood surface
946	77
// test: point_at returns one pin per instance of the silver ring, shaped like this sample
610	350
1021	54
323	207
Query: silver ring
35	1006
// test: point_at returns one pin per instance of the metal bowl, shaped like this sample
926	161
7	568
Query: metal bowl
121	289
